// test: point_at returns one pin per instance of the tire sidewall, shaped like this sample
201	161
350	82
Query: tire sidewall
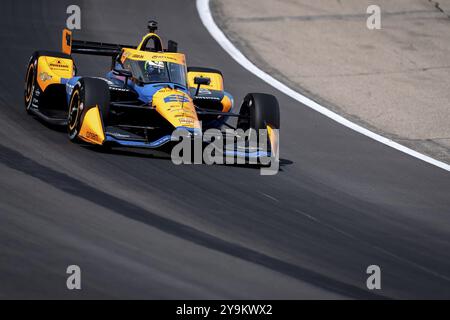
30	88
262	110
74	129
91	92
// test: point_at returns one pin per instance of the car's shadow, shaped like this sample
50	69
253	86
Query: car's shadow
155	154
54	127
126	152
165	155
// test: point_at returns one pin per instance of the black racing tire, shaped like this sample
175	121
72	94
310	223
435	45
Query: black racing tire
32	92
259	110
87	93
30	82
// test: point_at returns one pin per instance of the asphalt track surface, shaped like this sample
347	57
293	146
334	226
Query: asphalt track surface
142	227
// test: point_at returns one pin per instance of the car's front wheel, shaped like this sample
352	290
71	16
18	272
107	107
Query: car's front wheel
258	111
87	93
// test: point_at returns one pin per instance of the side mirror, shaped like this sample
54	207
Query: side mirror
199	81
122	72
202	80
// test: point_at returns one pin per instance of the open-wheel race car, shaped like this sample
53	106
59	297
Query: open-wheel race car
148	93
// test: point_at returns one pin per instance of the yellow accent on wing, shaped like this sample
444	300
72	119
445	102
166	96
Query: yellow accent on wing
273	138
176	107
50	70
66	41
226	103
139	55
215	84
92	127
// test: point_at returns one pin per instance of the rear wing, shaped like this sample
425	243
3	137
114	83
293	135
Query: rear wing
70	45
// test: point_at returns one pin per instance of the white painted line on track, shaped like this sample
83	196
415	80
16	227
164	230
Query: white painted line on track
269	196
208	21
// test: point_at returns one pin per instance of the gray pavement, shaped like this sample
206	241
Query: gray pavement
142	227
394	81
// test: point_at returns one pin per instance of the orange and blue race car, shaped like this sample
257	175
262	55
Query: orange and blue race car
148	93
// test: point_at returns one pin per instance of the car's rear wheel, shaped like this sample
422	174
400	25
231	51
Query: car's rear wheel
30	83
34	95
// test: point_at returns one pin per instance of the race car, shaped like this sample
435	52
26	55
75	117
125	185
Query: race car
148	93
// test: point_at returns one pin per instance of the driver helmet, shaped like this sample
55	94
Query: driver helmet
154	67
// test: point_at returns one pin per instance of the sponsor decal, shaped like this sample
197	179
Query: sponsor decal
44	76
204	91
119	89
91	135
176	98
160	56
58	64
186	121
207	98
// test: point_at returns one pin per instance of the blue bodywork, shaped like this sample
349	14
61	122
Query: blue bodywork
145	94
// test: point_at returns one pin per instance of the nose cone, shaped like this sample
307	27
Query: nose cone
176	107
